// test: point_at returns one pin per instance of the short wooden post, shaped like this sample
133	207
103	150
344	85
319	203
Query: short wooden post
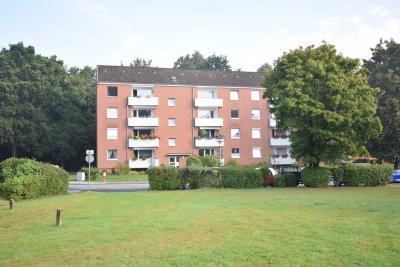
59	217
12	204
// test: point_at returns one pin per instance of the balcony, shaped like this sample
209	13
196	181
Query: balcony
142	122
208	142
279	160
209	122
146	143
272	122
143	164
280	141
208	102
143	101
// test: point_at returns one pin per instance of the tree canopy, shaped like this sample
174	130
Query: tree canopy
384	72
265	68
196	61
326	102
141	62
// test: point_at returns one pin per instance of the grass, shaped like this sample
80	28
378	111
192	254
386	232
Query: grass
218	227
116	178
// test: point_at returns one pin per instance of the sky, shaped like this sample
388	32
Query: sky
248	32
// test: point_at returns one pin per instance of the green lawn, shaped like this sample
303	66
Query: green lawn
116	178
210	227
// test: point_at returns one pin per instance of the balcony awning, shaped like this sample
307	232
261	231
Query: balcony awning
179	154
144	127
209	127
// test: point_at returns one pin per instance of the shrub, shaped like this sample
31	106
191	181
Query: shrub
235	177
209	161
279	181
26	179
121	168
367	175
94	173
232	163
337	174
193	161
316	177
264	176
164	178
290	179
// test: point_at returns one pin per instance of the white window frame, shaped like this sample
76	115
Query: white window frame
255	95
253	111
234	132
254	150
234	95
254	134
110	113
110	135
171	122
171	141
235	155
108	154
171	102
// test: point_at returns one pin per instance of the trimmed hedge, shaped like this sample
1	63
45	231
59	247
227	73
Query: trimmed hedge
279	181
236	177
367	175
209	161
27	179
164	178
290	180
316	177
337	174
199	177
193	161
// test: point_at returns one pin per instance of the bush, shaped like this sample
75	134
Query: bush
316	177
199	177
337	174
232	163
279	181
26	179
193	161
121	168
94	173
235	177
164	178
209	161
367	175
290	179
264	176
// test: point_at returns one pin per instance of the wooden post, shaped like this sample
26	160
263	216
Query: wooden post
59	217
12	204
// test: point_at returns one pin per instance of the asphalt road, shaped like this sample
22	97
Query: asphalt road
79	187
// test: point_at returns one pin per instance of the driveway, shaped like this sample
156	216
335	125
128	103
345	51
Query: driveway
79	187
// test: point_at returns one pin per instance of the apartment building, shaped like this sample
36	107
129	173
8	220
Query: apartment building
279	145
153	116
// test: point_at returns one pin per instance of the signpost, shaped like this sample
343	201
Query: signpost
89	159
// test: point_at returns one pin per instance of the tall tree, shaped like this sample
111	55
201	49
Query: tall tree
384	72
325	98
141	62
265	68
215	62
195	61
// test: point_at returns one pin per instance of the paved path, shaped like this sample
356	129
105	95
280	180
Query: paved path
79	187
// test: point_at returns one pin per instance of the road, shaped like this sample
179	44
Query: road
79	187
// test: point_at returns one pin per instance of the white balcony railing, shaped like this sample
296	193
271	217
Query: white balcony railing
143	164
282	160
210	122
208	102
280	141
142	122
143	101
209	142
146	143
272	122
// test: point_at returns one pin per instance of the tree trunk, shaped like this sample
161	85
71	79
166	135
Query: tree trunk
396	163
14	149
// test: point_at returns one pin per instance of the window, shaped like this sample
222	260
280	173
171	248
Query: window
174	161
255	114
142	113
112	133
207	151
280	150
255	95
143	154
171	142
112	154
142	92
112	113
256	133
171	102
112	91
235	153
235	133
234	114
171	122
256	152
279	133
141	132
234	95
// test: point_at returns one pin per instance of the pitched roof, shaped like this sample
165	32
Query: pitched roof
140	75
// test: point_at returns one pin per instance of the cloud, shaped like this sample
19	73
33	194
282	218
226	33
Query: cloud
379	11
328	22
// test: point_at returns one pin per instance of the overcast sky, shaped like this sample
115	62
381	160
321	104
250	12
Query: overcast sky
249	33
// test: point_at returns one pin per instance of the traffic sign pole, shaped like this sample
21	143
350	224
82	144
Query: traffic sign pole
89	159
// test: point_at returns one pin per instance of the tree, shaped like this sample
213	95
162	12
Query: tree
141	62
217	63
265	68
384	73
325	99
196	61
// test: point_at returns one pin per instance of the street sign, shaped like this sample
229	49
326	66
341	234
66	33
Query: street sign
89	152
89	158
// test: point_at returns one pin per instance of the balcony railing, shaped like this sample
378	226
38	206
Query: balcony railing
143	101
280	141
208	142
283	159
142	122
146	143
272	122
143	164
208	102
209	122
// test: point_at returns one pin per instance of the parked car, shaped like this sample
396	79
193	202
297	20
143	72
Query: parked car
395	177
296	170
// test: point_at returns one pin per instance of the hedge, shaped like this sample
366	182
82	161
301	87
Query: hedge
236	177
164	178
209	161
27	179
279	181
193	161
290	179
316	177
367	175
197	177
